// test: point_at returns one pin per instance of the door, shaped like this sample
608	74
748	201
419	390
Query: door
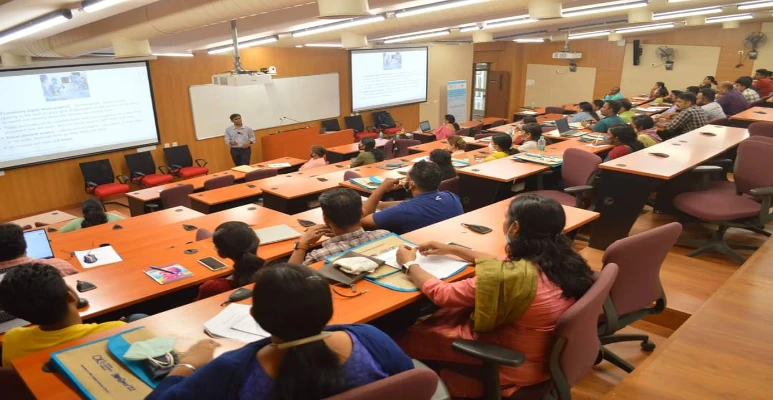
497	92
480	81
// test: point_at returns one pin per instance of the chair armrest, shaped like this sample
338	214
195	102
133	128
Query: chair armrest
122	178
762	192
548	172
705	169
765	194
175	167
578	189
164	169
719	161
489	352
199	162
90	186
137	174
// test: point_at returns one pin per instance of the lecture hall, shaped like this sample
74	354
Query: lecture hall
386	199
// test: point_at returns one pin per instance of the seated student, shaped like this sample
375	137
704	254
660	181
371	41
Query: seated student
442	159
646	131
37	293
456	144
693	89
762	82
586	113
303	358
369	154
689	118
671	99
614	94
744	85
731	100
609	111
448	128
236	241
13	251
626	114
93	214
624	140
706	102
530	133
659	91
341	212
427	206
518	139
541	277
500	146
709	82
317	154
597	104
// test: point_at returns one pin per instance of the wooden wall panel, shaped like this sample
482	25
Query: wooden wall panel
32	190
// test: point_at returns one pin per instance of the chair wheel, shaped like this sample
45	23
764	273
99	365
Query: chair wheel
599	357
647	345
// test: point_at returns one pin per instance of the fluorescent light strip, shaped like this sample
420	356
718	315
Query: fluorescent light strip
435	7
754	5
602	8
469	29
606	4
243	45
338	25
173	54
526	40
645	28
509	23
686	13
413	33
491	21
335	45
96	5
414	37
35	25
725	18
589	34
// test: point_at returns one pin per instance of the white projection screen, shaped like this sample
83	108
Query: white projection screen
50	114
388	77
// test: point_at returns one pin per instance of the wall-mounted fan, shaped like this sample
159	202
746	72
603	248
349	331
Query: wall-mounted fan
666	54
754	40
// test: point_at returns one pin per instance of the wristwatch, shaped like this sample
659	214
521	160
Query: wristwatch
408	265
298	246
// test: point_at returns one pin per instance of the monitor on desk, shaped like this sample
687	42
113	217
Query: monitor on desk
38	245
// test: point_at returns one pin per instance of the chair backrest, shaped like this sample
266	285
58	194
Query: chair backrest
548	128
219	182
554	110
260	174
389	150
758	138
351	175
752	165
758	103
761	129
720	121
483	135
140	162
498	122
99	171
402	145
331	125
354	122
576	342
475	130
14	387
415	384
178	155
176	196
202	234
639	258
579	167
463	132
450	185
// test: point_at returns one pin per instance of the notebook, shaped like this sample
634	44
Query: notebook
175	273
244	168
368	182
38	245
274	234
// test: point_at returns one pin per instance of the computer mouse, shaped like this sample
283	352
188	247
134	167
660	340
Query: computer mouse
708	133
661	155
190	251
84	286
189	227
322	179
82	302
51	230
116	227
89	259
250	186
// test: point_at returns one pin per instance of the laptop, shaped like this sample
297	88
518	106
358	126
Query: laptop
38	245
563	128
424	126
274	234
8	321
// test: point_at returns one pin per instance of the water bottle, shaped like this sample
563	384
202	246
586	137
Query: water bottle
512	131
541	143
380	134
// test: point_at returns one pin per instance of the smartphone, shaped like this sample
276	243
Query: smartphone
212	263
306	223
477	228
458	245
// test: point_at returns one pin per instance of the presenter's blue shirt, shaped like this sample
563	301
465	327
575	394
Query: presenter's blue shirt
418	212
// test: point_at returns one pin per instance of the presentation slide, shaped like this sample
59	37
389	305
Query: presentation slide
56	113
388	77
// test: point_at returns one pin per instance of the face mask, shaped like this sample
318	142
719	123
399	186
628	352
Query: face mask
151	348
491	146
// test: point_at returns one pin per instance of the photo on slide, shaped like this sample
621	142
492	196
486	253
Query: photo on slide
393	61
65	86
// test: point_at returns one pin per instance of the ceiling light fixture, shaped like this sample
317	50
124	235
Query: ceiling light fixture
529	40
725	18
686	13
472	28
413	33
91	6
334	45
412	36
602	8
173	54
498	23
338	25
754	5
35	25
243	45
435	7
642	28
585	35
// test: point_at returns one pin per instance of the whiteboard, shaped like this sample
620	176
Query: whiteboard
303	98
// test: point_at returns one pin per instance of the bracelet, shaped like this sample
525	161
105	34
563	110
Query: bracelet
190	367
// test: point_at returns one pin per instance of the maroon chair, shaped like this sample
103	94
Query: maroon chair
180	162
351	175
578	172
13	386
402	145
720	121
414	384
548	129
758	103
476	130
26	227
764	129
260	174
450	185
142	170
483	135
463	132
389	150
554	110
40	224
572	354
637	292
496	123
749	210
219	182
203	234
176	196
100	181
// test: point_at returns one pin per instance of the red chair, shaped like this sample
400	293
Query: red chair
483	135
356	124
100	181
578	172
13	386
219	182
476	130
142	170
203	234
180	162
496	123
720	121
389	150
260	174
351	175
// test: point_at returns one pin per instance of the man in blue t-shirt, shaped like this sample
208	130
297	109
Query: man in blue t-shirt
427	206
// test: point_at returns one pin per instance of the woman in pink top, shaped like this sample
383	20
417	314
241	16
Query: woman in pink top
448	128
559	276
317	159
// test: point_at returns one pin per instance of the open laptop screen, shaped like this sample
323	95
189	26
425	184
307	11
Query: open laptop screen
37	244
562	125
424	126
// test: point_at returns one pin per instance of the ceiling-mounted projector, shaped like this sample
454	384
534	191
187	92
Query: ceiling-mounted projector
243	78
567	55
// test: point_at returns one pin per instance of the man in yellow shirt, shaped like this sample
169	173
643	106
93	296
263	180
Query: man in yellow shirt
37	293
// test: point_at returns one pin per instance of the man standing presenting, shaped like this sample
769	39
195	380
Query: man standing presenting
239	138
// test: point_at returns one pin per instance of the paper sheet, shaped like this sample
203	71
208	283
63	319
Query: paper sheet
105	255
417	159
280	165
236	323
440	266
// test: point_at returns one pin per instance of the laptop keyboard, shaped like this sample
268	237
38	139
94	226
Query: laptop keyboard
5	317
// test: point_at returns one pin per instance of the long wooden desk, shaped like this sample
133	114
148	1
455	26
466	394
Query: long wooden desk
48	218
296	142
348	151
625	183
486	122
438	144
755	114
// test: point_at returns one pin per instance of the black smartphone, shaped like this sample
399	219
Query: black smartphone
458	245
322	179
306	223
661	155
212	263
477	228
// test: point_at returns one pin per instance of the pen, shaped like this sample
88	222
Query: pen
162	270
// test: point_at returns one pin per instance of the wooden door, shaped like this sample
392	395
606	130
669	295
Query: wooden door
497	94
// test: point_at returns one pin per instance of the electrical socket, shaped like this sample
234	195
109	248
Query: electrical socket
174	144
166	145
740	52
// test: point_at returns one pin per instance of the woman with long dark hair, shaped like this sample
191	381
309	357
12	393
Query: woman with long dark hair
369	154
500	146
236	241
303	359
624	140
442	158
658	91
93	214
448	128
586	113
513	303
709	82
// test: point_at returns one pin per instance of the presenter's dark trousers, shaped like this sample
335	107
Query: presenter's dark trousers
240	155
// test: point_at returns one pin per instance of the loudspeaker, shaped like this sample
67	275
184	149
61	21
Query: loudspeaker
636	52
382	119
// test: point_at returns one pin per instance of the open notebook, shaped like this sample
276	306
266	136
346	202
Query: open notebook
274	234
